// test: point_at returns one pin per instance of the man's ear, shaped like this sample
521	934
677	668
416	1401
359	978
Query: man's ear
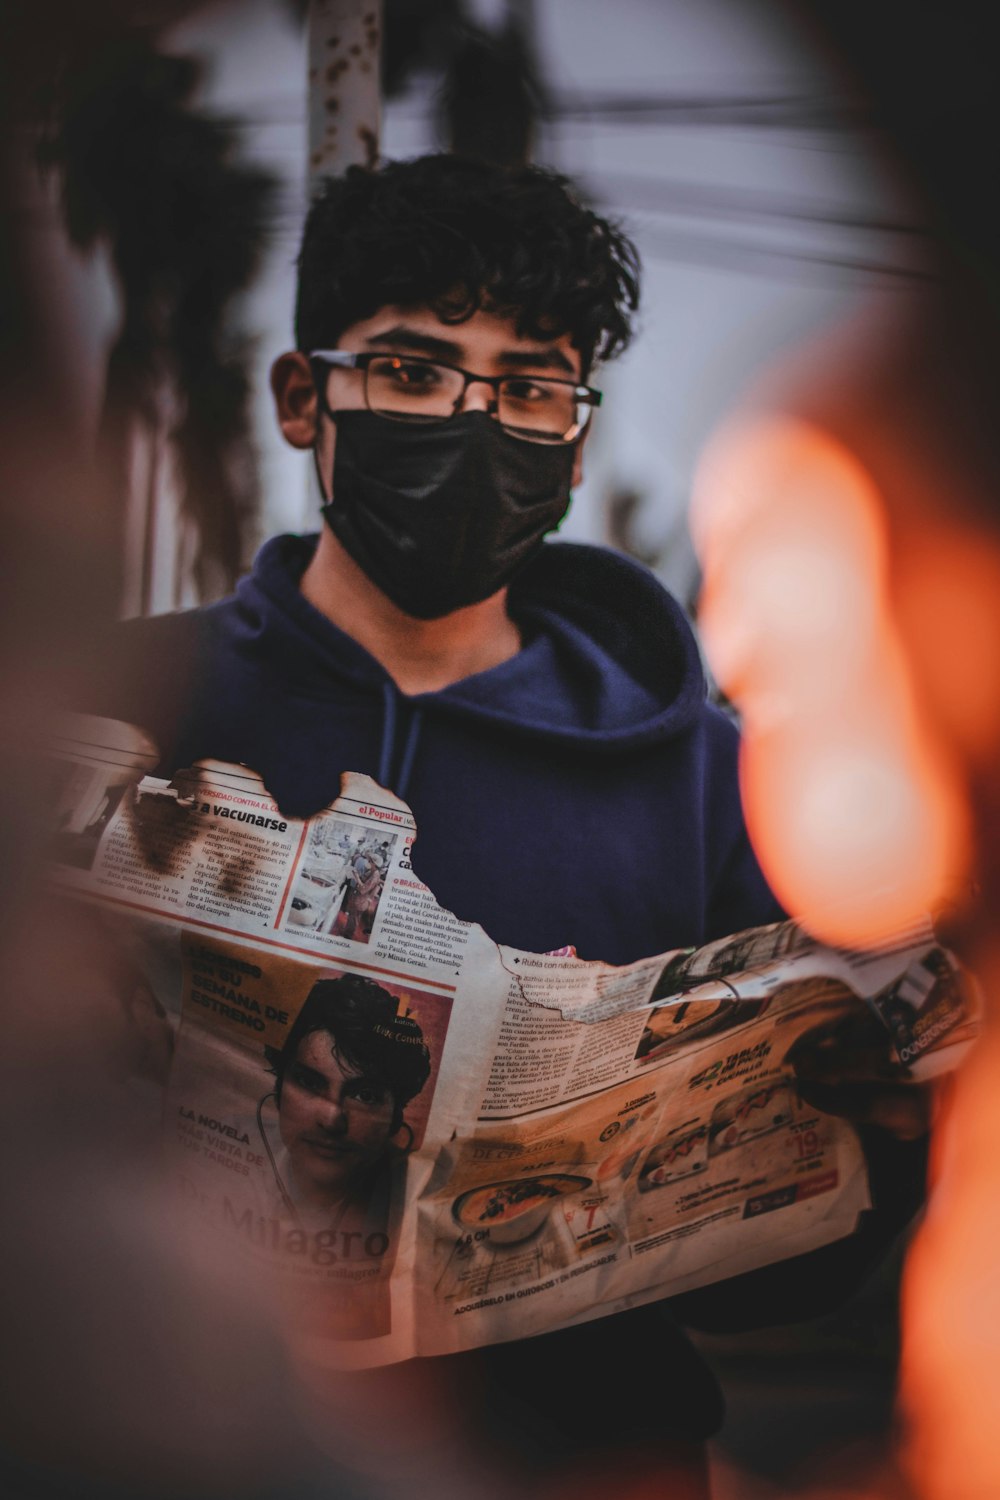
294	399
578	461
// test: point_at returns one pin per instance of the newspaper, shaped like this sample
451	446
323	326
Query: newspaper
434	1140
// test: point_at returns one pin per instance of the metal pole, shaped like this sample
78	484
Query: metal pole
344	85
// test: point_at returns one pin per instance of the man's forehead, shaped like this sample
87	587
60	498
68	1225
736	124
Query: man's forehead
318	1049
485	338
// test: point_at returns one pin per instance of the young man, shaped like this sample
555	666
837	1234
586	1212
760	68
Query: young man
537	706
534	705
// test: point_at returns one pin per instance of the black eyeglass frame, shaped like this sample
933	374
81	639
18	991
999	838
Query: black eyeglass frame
343	359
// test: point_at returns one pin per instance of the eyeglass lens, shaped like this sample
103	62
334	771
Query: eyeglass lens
546	411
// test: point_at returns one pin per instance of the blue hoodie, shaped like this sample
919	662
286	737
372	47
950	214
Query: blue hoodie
582	792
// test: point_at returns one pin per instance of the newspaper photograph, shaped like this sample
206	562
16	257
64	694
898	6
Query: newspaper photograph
291	1134
435	1141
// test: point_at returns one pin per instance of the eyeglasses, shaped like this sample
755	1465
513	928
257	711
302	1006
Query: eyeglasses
409	389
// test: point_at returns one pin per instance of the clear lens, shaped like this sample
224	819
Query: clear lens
413	389
543	410
417	390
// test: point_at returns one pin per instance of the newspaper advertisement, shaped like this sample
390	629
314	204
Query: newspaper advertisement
435	1141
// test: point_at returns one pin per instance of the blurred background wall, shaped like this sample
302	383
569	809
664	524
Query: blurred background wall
737	159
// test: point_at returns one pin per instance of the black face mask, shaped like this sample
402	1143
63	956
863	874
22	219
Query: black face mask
443	516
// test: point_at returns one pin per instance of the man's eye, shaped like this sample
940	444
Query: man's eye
305	1078
414	377
531	392
370	1094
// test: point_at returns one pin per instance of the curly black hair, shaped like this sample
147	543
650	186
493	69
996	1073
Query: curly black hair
367	1033
460	235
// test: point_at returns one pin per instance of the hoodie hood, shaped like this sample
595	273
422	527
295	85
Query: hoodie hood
581	792
609	662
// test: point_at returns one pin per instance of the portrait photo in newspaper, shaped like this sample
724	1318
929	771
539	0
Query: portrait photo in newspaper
297	1097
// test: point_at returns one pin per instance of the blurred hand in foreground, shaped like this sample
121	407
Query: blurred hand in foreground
848	1067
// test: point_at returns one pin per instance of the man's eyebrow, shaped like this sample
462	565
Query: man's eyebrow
536	359
404	337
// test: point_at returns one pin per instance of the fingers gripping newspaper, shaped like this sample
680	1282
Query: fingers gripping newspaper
434	1141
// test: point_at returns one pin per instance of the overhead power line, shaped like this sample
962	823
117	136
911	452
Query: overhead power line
722	253
674	196
809	111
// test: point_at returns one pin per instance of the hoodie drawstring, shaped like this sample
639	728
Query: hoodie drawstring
389	723
388	734
409	753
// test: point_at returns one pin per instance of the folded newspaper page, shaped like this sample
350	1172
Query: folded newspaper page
433	1140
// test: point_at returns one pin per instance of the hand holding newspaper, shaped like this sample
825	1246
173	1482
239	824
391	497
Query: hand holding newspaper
436	1141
